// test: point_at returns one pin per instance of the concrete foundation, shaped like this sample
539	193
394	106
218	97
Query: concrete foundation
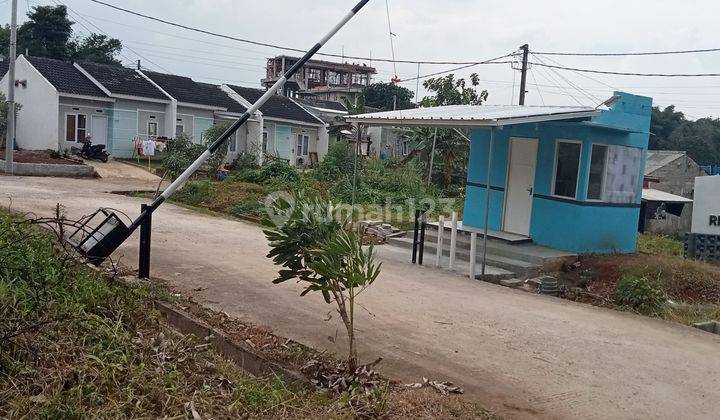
45	169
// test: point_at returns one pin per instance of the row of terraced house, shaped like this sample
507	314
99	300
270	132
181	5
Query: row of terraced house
64	103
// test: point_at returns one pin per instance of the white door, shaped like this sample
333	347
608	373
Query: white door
99	129
520	185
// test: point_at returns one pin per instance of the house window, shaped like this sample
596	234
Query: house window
314	74
596	181
152	129
75	127
567	166
265	142
405	147
303	141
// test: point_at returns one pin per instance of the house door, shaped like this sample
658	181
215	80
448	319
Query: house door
99	129
520	185
283	143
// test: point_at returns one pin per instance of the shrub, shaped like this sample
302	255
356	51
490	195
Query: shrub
195	192
639	294
182	152
339	161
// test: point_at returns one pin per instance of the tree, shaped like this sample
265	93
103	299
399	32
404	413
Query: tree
97	48
670	130
451	148
383	96
48	33
448	91
309	240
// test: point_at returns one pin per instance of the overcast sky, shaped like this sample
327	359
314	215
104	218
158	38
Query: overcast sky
457	30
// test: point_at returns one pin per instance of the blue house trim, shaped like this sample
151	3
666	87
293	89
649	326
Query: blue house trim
574	224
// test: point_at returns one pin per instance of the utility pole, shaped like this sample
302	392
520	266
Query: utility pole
10	135
523	75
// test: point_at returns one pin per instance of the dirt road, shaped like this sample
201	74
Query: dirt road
522	355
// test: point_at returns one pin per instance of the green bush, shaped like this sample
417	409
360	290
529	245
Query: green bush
338	162
195	192
273	171
249	208
639	294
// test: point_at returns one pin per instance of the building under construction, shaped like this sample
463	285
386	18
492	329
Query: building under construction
319	79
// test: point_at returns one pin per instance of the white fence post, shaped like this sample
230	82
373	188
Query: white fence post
473	250
453	239
441	230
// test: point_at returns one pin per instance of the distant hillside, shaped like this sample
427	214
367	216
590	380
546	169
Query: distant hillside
672	131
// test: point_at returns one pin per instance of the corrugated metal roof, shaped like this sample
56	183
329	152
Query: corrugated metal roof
651	194
475	115
656	159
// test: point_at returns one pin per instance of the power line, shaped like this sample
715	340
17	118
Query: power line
624	54
576	87
490	61
619	73
104	33
275	46
537	87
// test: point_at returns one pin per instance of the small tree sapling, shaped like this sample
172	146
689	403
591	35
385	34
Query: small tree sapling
309	239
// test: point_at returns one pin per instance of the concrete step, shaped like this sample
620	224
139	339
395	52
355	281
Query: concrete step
492	274
519	267
530	253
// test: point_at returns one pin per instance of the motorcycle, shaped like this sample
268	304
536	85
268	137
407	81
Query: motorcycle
90	151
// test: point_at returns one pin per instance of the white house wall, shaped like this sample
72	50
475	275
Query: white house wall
37	127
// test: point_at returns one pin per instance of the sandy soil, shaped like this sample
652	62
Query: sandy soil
521	355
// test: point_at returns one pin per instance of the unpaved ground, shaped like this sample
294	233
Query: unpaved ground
521	355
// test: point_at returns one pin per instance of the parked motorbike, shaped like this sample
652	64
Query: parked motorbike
94	151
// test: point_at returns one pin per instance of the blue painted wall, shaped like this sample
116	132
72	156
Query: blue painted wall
572	225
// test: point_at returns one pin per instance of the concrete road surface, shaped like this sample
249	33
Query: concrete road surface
522	355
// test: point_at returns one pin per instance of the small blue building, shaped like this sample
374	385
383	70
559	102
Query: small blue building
568	178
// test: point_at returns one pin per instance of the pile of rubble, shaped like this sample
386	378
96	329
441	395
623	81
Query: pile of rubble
377	232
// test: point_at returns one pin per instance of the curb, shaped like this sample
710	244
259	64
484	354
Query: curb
248	360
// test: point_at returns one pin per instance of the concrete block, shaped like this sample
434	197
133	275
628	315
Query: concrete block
512	282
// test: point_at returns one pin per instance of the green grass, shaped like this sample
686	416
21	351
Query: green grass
659	245
76	344
93	348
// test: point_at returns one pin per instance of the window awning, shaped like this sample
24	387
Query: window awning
474	115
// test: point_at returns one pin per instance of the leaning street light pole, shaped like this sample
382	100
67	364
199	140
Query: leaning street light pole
12	52
111	233
246	116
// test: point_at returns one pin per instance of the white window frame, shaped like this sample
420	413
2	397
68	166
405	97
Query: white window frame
302	144
604	173
232	144
77	120
577	176
157	128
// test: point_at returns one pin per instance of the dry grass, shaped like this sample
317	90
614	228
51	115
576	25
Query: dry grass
692	286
